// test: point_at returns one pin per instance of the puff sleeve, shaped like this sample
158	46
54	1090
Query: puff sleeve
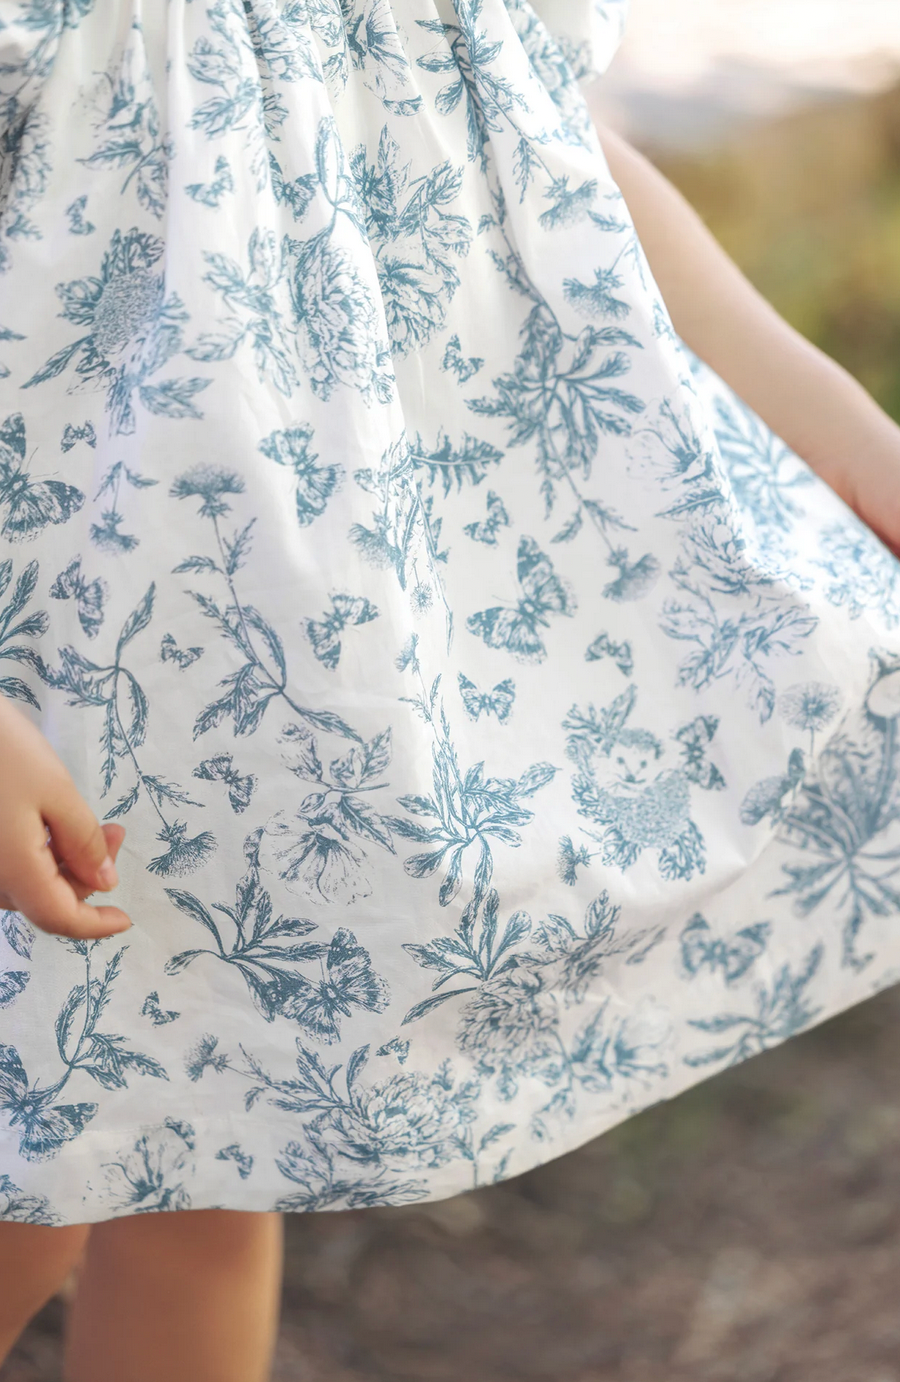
589	31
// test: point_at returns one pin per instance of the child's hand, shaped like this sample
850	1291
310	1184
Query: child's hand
871	486
48	880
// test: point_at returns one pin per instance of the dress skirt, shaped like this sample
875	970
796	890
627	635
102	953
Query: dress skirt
504	722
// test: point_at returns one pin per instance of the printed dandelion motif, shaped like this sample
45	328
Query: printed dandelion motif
421	597
598	299
568	205
570	858
106	534
184	855
205	1056
810	706
210	484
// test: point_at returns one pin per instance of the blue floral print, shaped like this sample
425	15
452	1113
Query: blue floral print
133	330
504	721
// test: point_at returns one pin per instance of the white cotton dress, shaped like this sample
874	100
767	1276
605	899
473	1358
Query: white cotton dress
503	721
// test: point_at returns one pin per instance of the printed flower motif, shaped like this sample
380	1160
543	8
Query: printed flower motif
133	329
569	859
183	855
341	325
639	1039
422	597
568	205
205	1056
150	1177
405	1118
20	1208
107	537
315	483
627	1047
810	705
511	1016
598	299
315	859
209	483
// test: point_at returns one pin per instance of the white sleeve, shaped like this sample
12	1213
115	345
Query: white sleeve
589	31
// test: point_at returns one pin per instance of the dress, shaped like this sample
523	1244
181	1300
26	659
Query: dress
504	722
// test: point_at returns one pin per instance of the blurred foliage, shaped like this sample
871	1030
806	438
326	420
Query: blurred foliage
809	206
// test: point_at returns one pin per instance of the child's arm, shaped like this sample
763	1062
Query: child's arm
48	883
806	398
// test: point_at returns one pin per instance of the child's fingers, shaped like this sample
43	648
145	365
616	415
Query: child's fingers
47	899
79	842
42	894
115	834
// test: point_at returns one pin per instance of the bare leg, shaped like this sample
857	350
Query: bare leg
190	1296
34	1263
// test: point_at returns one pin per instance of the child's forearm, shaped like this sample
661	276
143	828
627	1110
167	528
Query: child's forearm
805	397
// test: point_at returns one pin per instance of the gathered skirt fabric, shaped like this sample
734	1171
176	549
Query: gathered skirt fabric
503	721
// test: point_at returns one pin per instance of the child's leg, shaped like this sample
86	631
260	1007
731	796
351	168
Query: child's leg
34	1263
190	1297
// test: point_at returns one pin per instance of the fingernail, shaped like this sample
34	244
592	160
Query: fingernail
107	873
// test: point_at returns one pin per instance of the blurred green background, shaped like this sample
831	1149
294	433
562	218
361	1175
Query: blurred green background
809	206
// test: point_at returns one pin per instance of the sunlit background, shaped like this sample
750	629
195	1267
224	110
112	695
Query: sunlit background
780	120
691	69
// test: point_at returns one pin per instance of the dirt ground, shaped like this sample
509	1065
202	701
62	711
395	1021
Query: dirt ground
748	1231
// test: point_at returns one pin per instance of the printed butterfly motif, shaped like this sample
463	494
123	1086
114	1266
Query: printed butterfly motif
169	651
455	361
77	224
43	1127
89	596
351	982
543	593
71	435
211	193
157	1015
395	1047
324	634
498	702
221	769
695	739
621	654
734	956
243	1160
497	518
31	504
